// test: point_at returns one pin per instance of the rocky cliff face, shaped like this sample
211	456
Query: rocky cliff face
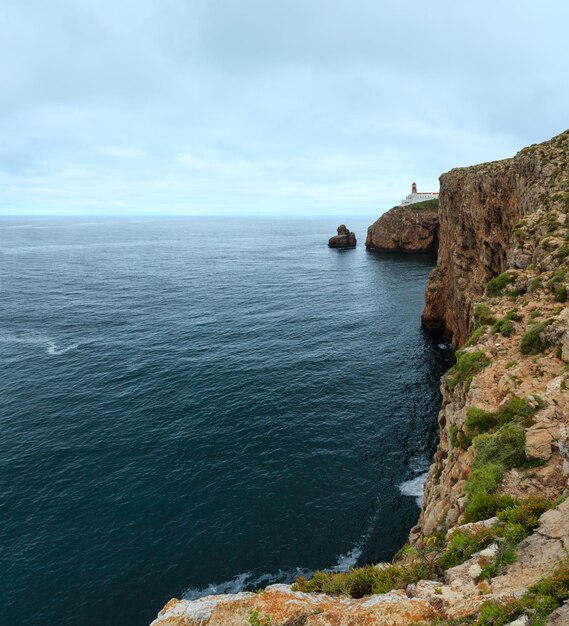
509	219
479	208
492	540
406	229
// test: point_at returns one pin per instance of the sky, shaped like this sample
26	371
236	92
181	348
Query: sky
266	107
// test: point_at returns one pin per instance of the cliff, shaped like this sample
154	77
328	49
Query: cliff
491	543
479	209
411	228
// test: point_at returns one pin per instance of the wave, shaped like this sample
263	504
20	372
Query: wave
33	338
414	487
247	581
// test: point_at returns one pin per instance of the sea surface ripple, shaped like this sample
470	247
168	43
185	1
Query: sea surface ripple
202	405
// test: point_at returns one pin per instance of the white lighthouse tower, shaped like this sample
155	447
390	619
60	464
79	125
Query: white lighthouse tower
416	196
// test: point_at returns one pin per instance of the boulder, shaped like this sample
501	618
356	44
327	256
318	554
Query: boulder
344	238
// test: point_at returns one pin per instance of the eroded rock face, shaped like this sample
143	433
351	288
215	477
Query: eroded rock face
479	208
404	229
344	238
528	360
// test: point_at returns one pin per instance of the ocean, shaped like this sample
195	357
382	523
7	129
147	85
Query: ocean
195	406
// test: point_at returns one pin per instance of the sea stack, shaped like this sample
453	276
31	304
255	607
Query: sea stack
344	238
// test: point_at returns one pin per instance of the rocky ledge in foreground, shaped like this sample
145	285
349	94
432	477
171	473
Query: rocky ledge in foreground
413	228
344	238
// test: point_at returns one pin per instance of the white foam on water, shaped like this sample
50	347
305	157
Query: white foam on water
34	338
348	560
445	346
242	581
414	487
246	580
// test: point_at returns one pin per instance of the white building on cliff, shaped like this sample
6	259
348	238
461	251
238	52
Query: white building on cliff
416	196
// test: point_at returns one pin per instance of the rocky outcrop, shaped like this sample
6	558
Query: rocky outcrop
344	238
411	228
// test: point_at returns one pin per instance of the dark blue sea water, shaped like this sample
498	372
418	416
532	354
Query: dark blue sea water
197	405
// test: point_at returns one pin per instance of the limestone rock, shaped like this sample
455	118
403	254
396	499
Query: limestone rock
479	209
344	238
285	606
404	229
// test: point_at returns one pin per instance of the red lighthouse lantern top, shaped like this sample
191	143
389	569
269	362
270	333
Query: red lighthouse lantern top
414	188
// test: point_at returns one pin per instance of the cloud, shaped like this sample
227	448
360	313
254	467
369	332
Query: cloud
212	107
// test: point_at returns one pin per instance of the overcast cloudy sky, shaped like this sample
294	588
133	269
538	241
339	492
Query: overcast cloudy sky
267	106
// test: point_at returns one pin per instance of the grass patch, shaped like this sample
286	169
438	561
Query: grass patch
497	285
560	294
558	277
531	342
535	284
494	455
563	252
426	206
468	364
476	336
482	315
515	410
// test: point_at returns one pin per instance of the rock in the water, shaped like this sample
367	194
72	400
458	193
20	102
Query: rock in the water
344	238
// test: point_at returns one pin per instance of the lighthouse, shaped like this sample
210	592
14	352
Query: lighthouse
419	196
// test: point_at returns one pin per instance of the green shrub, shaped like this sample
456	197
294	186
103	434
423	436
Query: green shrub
477	419
485	479
561	294
485	505
563	251
468	364
535	314
496	286
367	580
507	447
504	326
515	410
482	315
494	454
558	277
531	341
426	205
526	514
453	432
476	336
535	284
463	544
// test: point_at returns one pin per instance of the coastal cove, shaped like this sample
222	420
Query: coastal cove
199	406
